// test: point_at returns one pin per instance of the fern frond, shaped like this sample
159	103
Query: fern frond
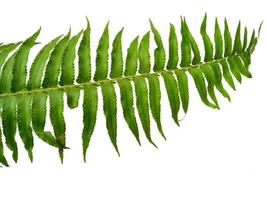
53	75
90	101
85	56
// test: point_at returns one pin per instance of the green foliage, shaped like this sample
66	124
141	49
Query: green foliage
53	75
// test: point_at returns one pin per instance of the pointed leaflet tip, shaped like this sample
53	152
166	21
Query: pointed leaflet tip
204	22
136	38
185	21
153	144
106	29
107	24
182	24
15	156
30	156
79	34
147	34
87	20
69	30
216	22
84	157
38	31
259	30
120	32
117	150
239	24
3	161
58	37
163	135
182	20
61	155
151	24
34	36
87	23
185	25
226	23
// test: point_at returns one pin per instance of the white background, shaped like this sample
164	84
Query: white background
213	155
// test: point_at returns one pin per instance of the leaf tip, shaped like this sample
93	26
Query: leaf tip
121	31
30	155
107	24
153	143
84	157
87	20
118	152
182	19
39	30
259	29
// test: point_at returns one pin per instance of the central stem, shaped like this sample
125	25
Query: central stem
106	80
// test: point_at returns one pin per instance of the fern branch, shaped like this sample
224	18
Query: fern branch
114	80
23	103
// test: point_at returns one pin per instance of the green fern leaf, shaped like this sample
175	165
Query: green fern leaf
5	47
193	44
154	101
110	111
173	49
237	42
201	86
183	88
73	96
252	40
226	74
117	57
90	100
38	65
9	107
20	65
38	119
24	123
54	64
218	41
57	119
185	48
245	39
173	94
7	74
142	105
67	69
126	93
227	40
143	55
234	69
241	67
131	58
5	53
68	73
218	80
85	56
3	160
210	77
10	124
206	40
159	52
102	56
